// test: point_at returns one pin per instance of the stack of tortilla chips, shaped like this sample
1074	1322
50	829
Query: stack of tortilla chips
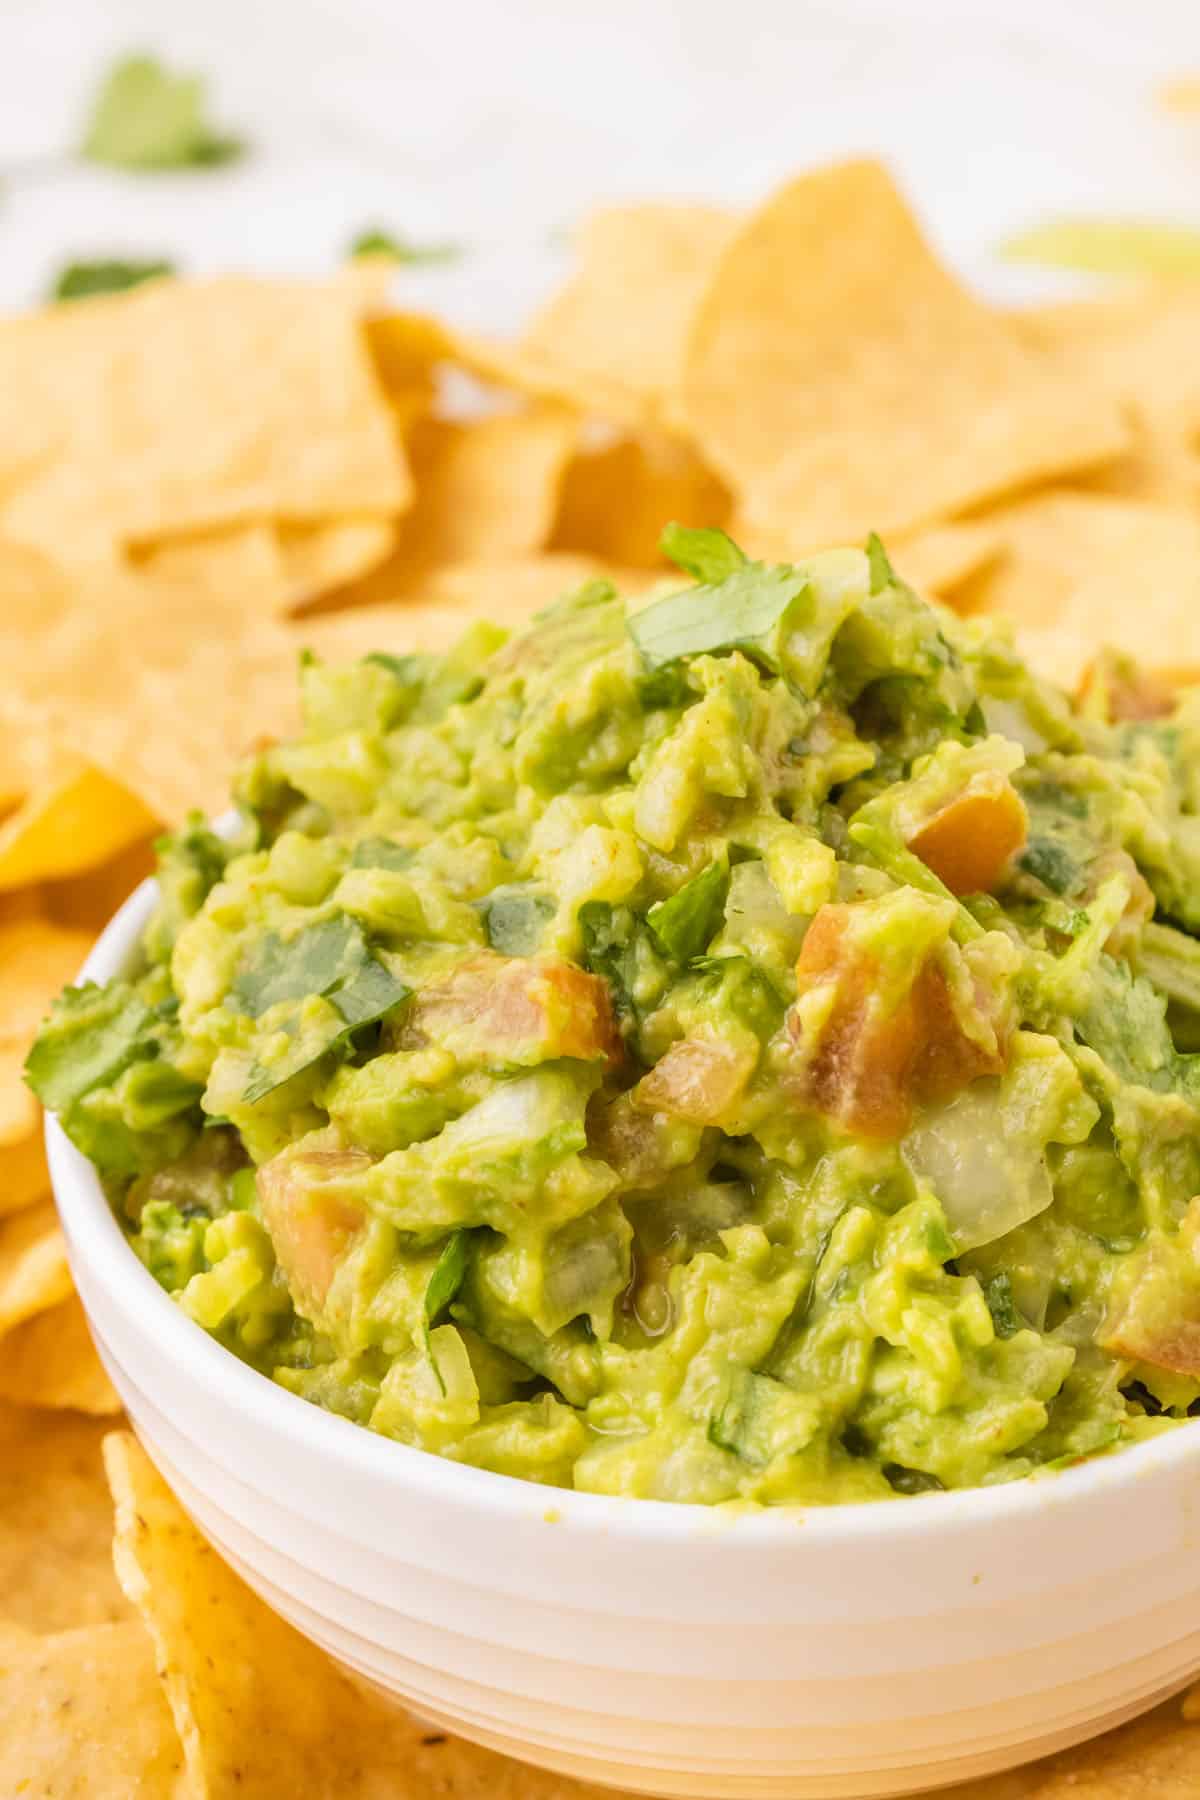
199	480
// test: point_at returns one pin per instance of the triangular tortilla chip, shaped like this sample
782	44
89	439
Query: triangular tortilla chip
842	381
612	341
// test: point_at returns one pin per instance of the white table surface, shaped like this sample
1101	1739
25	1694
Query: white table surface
498	121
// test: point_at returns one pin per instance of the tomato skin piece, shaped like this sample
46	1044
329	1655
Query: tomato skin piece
697	1079
311	1221
970	841
870	1068
516	1009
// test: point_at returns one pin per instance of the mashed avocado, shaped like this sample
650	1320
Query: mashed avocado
740	1048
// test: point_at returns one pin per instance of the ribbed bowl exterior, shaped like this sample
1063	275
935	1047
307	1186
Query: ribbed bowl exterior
848	1651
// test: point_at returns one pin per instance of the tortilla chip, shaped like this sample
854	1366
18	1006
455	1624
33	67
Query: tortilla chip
842	381
261	1712
87	902
79	818
33	1264
1156	1757
86	1719
617	496
315	558
183	406
38	958
268	568
612	340
24	1176
405	350
51	1361
487	490
188	713
56	1522
240	562
1140	348
35	597
19	1111
1082	570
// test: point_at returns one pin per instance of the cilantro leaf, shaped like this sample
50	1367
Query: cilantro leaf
91	1035
882	573
746	611
80	280
684	924
378	242
449	1272
705	555
618	946
999	1296
313	962
330	960
144	117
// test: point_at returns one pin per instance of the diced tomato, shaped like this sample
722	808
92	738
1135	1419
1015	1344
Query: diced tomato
698	1079
969	842
516	1009
1155	1313
310	1216
872	1066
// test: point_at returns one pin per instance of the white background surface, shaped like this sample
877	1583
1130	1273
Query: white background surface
498	121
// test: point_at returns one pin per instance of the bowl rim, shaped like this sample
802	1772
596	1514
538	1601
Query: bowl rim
97	1241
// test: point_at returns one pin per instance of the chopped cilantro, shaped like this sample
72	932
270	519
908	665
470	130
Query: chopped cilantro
144	117
706	555
81	280
378	242
684	924
448	1274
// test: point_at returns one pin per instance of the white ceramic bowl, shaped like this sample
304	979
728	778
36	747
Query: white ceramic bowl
853	1650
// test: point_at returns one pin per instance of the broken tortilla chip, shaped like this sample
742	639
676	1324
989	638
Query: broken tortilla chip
33	1264
843	382
85	1718
182	406
56	1523
50	1361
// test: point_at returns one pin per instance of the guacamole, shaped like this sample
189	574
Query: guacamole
743	1048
